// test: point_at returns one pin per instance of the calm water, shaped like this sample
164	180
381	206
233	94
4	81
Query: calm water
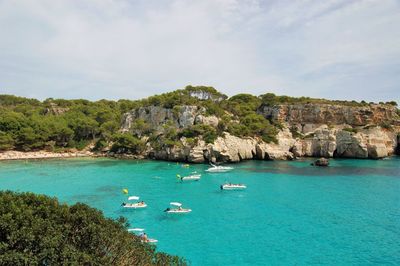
291	213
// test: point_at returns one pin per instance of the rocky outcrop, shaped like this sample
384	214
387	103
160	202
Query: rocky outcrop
321	131
227	148
331	114
321	162
207	120
231	149
56	110
327	142
156	116
330	130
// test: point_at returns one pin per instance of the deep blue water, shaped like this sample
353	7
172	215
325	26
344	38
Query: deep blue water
291	213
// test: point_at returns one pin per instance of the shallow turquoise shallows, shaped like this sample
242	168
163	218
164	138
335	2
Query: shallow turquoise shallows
290	214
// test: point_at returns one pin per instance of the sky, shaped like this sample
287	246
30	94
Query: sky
114	49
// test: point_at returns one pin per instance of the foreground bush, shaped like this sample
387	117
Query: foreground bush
38	230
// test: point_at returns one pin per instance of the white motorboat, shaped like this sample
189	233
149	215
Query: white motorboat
230	186
218	168
192	177
142	235
179	208
135	229
134	205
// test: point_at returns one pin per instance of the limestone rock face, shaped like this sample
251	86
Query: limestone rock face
170	154
277	151
180	117
323	130
56	110
156	116
232	149
377	151
349	145
331	114
320	143
207	120
197	153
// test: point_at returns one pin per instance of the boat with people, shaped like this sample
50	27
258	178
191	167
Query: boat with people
134	205
177	208
218	168
230	186
142	235
193	177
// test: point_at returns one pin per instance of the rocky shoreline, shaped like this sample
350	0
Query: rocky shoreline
18	155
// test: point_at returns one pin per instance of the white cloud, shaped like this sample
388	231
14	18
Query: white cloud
131	49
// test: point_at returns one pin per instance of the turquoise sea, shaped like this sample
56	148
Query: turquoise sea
290	214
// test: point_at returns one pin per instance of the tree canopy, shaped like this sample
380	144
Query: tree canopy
39	230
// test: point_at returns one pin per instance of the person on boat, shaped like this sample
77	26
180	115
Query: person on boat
123	204
144	237
180	208
167	209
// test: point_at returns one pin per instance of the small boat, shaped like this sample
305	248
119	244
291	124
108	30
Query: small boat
135	205
218	168
143	236
192	177
135	229
177	210
230	186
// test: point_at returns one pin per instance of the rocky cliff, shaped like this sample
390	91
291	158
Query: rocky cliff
331	114
339	131
312	130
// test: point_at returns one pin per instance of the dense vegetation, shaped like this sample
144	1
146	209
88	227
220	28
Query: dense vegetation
57	124
39	230
272	99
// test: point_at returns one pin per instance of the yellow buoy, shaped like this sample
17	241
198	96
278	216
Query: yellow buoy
125	191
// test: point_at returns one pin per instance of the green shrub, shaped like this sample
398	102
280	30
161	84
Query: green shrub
295	133
208	133
191	141
126	143
386	125
394	103
100	144
6	141
350	129
39	230
271	99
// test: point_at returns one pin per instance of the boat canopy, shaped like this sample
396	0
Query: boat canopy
176	204
133	198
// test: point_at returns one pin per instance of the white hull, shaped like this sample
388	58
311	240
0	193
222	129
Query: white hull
191	178
135	206
179	211
219	169
150	240
233	187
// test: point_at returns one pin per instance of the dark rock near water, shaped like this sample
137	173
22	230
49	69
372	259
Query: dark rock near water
321	162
